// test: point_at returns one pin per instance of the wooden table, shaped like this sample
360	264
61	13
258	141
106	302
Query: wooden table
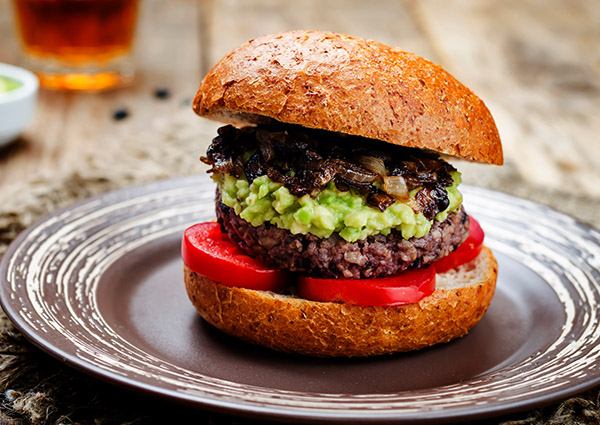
536	64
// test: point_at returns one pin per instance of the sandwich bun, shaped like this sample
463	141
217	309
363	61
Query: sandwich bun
330	329
353	86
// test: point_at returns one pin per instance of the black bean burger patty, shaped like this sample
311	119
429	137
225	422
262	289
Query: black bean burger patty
333	257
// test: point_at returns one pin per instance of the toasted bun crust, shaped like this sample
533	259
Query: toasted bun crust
349	85
294	324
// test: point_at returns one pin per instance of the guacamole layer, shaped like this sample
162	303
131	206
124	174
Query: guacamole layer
331	211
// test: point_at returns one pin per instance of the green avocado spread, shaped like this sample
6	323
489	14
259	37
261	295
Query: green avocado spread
7	84
332	210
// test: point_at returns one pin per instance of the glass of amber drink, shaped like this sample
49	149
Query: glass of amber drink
78	44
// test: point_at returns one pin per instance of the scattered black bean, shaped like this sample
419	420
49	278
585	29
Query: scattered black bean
162	93
120	114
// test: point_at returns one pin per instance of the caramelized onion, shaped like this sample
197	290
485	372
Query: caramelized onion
306	160
323	175
395	186
373	164
380	199
353	172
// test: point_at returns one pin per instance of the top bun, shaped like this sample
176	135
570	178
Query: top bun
349	85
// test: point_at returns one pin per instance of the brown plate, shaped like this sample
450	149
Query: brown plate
99	285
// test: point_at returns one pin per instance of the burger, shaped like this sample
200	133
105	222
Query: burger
340	227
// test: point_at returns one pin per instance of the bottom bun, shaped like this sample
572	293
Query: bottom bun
292	324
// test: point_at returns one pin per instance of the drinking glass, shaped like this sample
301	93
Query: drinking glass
78	44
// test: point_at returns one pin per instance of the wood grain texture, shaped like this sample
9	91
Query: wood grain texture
233	22
71	127
535	64
537	67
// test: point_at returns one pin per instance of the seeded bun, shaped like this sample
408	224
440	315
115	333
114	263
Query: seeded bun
293	324
349	85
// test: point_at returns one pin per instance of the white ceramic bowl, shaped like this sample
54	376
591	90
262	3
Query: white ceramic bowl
17	106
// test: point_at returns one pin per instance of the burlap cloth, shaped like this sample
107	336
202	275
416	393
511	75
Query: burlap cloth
35	388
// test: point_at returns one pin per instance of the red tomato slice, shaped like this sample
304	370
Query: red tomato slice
404	288
209	252
467	251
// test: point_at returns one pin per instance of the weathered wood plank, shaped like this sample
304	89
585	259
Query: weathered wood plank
8	44
70	126
391	22
536	65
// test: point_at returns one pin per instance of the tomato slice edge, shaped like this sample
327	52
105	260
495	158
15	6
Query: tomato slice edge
208	252
466	251
404	288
